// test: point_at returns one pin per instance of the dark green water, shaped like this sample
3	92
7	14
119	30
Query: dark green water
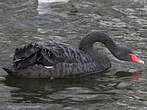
123	87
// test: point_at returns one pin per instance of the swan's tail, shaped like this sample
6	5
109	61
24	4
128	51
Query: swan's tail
9	69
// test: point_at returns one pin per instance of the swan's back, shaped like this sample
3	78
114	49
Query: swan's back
49	53
51	59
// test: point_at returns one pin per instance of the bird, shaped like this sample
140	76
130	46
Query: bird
60	60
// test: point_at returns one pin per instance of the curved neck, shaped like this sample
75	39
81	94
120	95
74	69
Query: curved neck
87	42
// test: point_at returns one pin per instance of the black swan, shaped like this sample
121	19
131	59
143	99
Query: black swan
59	60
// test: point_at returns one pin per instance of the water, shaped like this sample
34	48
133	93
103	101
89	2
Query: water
123	87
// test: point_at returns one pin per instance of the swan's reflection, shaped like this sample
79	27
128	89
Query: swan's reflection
135	76
133	92
72	90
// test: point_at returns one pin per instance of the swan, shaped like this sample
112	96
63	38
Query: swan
60	60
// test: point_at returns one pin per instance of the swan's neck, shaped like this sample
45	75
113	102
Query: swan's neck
88	41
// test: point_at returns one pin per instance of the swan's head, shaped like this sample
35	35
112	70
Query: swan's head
126	54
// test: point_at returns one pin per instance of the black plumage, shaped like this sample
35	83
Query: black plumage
58	60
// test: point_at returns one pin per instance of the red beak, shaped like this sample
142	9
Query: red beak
136	59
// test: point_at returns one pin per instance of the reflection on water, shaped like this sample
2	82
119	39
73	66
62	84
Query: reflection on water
98	90
124	86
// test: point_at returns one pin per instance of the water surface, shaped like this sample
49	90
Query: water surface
123	87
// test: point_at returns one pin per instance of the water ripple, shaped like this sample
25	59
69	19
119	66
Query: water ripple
122	87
